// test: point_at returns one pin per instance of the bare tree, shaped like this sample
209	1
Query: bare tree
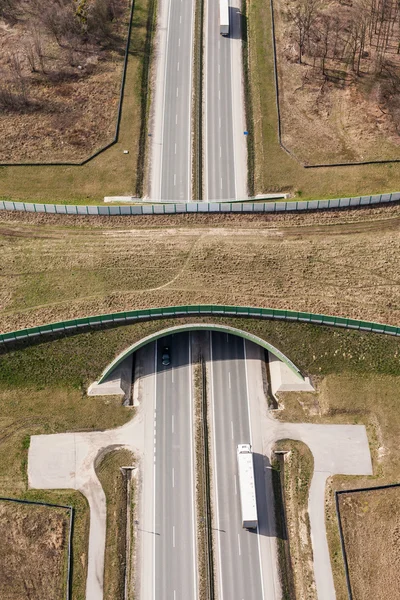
303	15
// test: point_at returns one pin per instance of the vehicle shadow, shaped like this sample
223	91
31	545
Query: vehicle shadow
270	508
236	20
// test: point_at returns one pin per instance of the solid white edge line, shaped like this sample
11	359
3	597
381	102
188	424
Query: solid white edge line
215	470
165	91
189	192
204	103
154	475
251	442
233	111
194	528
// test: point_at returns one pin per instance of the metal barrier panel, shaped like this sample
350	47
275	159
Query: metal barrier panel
102	210
334	203
169	312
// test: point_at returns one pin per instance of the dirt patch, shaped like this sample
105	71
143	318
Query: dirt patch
61	68
371	532
33	551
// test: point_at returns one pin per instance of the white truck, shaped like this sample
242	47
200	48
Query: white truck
224	17
247	486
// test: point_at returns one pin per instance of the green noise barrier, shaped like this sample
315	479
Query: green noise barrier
169	312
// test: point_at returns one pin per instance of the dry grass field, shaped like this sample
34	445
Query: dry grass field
275	170
61	71
345	266
371	530
110	173
330	112
33	551
372	400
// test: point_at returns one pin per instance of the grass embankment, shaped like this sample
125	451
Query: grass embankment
344	266
297	561
370	524
275	170
110	173
33	551
114	485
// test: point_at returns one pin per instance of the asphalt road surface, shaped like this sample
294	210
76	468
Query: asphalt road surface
224	143
171	134
175	570
238	553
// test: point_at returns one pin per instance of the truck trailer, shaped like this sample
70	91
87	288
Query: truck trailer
247	486
224	17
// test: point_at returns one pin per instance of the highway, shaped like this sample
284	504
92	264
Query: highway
167	555
224	123
171	124
175	565
238	553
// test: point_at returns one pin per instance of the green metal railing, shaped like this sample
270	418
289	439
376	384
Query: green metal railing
199	310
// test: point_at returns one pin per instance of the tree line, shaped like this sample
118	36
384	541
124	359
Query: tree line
360	36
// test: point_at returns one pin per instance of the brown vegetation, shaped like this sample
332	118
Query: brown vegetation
298	468
339	67
60	68
371	532
343	397
59	272
33	551
114	483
